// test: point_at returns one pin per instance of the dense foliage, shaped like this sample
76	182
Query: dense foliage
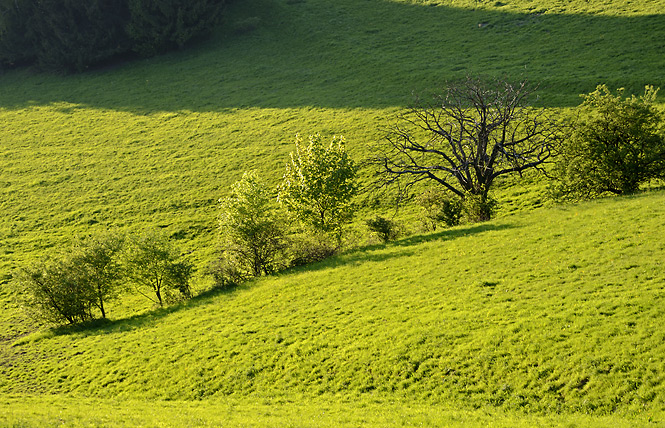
618	144
70	35
318	185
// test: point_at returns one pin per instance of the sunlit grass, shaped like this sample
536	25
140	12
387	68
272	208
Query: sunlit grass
558	310
58	411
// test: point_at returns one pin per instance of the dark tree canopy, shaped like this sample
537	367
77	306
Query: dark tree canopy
617	144
467	136
71	35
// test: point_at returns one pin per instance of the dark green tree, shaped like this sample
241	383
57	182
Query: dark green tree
17	38
156	26
72	34
617	144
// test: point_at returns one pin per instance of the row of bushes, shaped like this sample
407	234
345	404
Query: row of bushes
71	35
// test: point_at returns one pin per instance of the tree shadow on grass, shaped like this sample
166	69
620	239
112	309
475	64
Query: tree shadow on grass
106	326
373	253
369	54
400	248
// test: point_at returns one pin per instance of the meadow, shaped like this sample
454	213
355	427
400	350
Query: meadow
542	316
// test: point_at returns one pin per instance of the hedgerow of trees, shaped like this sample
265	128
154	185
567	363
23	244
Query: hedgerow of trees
474	134
71	35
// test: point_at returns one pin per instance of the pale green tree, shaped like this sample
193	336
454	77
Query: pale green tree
319	184
251	229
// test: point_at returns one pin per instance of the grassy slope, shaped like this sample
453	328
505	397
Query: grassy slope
556	310
155	143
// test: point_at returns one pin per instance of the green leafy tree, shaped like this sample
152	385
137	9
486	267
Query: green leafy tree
617	144
67	289
319	183
54	292
97	261
152	263
251	229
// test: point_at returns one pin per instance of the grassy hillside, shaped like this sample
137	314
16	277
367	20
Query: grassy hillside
565	319
558	310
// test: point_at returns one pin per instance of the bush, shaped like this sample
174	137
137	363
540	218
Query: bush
477	209
226	272
440	207
307	249
387	230
617	145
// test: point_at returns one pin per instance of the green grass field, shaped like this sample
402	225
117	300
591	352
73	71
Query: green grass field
547	316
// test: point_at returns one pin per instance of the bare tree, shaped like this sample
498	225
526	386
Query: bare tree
466	137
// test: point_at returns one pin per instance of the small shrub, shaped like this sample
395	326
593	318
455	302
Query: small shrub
226	273
306	249
387	230
440	207
476	209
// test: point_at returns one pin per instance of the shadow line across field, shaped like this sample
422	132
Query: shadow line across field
372	253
